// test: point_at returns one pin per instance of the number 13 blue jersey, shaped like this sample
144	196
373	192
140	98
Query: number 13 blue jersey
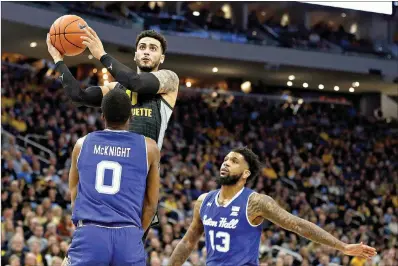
230	238
113	169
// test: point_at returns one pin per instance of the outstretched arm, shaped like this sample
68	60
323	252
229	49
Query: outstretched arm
159	82
190	239
264	206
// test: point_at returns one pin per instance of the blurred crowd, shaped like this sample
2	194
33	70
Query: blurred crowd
196	19
325	163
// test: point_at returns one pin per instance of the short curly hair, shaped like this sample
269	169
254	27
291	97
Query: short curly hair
155	35
252	160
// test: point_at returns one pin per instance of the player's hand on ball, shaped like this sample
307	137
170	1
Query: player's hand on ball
93	42
360	250
55	54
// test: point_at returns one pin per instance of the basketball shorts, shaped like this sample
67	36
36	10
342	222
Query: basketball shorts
97	245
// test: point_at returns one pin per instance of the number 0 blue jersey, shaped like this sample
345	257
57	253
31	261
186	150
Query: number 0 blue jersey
113	169
231	240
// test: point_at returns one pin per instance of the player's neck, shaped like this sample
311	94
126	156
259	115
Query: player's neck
139	71
123	127
228	192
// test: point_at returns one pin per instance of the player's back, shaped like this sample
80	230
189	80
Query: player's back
112	168
231	240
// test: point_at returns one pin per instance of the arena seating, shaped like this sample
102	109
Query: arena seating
325	163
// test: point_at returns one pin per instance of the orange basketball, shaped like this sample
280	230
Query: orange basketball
65	35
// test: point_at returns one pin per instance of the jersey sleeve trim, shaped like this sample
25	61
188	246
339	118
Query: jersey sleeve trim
167	104
247	216
81	149
146	154
200	209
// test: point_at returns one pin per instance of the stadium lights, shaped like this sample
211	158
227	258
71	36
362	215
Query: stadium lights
336	88
305	85
105	76
321	87
104	70
196	13
292	77
90	56
95	70
188	84
215	69
33	44
351	89
355	84
289	83
246	86
300	101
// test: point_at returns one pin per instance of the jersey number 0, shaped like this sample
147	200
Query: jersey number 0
116	169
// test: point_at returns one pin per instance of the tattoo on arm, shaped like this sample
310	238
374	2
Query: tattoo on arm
168	81
266	207
190	239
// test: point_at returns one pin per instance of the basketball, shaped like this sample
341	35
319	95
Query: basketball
65	35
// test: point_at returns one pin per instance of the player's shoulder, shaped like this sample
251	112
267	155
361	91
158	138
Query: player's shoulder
169	72
80	141
151	144
257	197
202	197
152	148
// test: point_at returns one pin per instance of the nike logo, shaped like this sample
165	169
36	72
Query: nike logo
110	67
81	26
62	77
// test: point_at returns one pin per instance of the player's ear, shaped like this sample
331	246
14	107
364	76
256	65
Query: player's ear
162	57
246	174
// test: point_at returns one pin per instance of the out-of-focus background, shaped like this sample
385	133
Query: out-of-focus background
312	89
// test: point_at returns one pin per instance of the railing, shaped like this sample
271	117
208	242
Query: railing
295	255
22	143
259	96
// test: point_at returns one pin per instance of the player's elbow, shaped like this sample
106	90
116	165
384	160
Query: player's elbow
151	205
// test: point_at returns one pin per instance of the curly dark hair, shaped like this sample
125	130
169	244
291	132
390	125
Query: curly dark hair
252	160
155	35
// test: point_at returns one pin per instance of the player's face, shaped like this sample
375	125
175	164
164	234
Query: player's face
148	55
233	169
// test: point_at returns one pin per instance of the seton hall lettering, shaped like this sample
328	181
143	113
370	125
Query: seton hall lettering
223	223
141	112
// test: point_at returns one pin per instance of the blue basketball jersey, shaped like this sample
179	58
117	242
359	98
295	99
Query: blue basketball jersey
230	238
113	169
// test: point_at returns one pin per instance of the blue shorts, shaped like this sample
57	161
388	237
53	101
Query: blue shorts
99	246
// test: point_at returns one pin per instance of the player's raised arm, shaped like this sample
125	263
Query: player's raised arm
191	238
152	184
73	172
264	206
92	96
153	82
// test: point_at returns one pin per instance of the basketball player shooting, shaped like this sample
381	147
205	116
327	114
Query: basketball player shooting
111	216
232	218
153	92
